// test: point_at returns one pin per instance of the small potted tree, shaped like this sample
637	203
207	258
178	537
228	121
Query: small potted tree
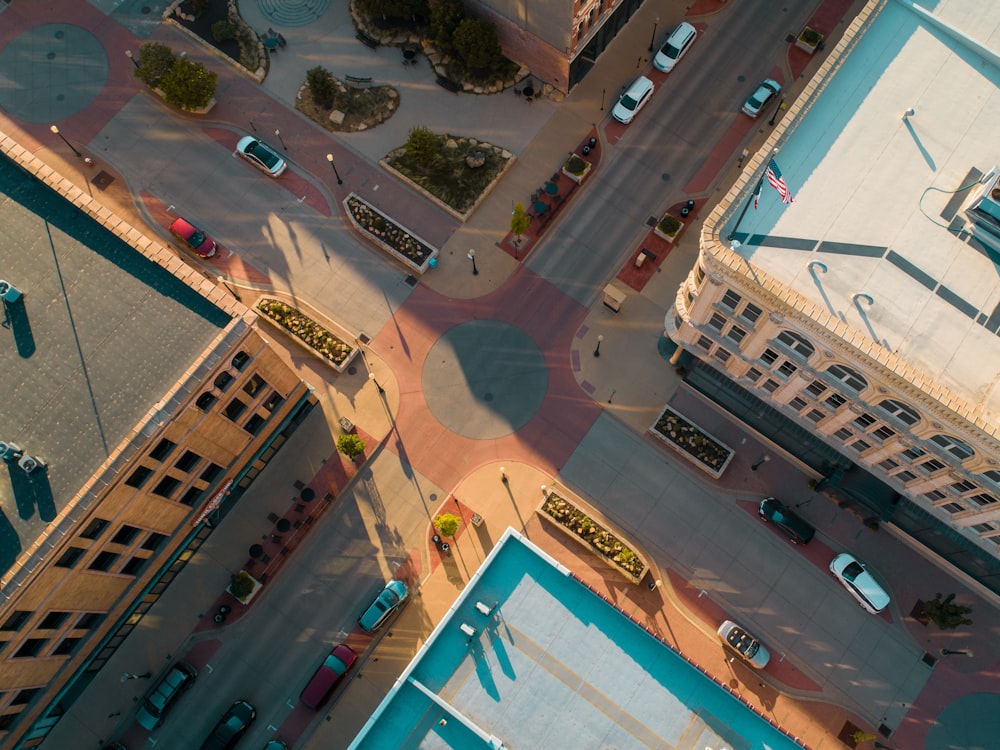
809	40
668	227
351	445
519	221
243	586
576	168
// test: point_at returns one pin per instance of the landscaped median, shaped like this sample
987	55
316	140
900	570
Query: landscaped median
396	240
575	520
699	447
317	338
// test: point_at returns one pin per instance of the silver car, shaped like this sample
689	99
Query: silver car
859	582
261	155
678	43
635	97
744	644
764	93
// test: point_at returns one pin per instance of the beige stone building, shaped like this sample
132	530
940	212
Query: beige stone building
140	401
856	327
558	40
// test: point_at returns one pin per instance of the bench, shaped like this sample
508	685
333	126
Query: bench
358	82
448	84
640	259
368	41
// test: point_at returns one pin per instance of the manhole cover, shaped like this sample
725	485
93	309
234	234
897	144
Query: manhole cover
352	370
102	179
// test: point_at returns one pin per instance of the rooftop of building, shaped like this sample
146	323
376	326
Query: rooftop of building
99	336
530	657
877	237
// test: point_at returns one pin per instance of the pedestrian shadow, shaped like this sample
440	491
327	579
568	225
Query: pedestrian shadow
32	491
16	319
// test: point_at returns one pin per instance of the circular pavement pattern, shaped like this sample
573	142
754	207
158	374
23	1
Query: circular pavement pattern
972	723
484	379
292	12
56	70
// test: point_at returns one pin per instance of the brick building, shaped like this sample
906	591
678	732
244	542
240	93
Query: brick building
856	327
147	400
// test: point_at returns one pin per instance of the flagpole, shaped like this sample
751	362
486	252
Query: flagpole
746	207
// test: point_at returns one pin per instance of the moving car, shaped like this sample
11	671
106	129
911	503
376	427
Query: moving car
635	97
767	90
384	605
163	695
261	155
744	644
233	725
797	530
862	585
193	237
327	676
679	42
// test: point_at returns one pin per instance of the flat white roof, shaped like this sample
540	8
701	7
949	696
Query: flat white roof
875	192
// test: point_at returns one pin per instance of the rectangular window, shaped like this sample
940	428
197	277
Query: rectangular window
211	472
162	449
234	408
153	541
769	357
722	355
935	495
913	453
798	404
704	342
66	646
953	508
905	476
190	497
730	300
982	528
843	434
963	486
770	385
254	424
860	446
754	374
787	369
884	433
254	385
103	561
166	486
864	422
53	620
835	401
125	534
983	499
751	313
138	477
89	621
16	620
31	647
25	696
94	529
931	466
276	398
187	462
69	558
815	389
736	334
134	565
717	322
889	464
816	416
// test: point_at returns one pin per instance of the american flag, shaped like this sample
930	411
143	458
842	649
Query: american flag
775	180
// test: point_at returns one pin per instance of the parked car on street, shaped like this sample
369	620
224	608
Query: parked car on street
261	155
765	92
856	579
164	694
193	237
327	676
384	605
635	97
233	725
744	644
797	530
677	44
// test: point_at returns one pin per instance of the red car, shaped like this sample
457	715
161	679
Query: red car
327	676
193	237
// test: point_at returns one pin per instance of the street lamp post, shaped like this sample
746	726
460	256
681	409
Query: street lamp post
278	133
55	130
760	462
776	111
130	56
472	257
329	158
597	349
652	39
959	652
371	377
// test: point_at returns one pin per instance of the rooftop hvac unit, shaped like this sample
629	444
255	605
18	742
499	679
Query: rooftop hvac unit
483	608
10	451
8	292
468	629
31	463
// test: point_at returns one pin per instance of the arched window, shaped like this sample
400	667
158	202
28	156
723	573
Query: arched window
204	401
956	448
900	411
240	360
993	475
797	344
222	380
850	378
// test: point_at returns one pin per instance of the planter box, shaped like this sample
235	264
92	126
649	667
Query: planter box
257	585
578	523
338	358
699	447
668	237
577	178
809	40
388	234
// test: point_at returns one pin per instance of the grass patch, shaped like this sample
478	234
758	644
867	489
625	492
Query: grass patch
447	176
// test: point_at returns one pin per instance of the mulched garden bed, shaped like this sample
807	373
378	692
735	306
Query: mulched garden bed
202	27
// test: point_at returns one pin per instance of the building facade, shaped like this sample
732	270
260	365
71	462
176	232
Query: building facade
875	333
131	480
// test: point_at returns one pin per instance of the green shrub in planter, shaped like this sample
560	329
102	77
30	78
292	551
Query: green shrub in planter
350	445
669	225
189	85
810	37
320	83
155	61
575	165
241	585
223	31
447	524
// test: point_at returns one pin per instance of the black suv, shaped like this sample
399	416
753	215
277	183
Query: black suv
233	725
167	690
797	530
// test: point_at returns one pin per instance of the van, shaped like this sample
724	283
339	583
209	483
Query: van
163	695
678	43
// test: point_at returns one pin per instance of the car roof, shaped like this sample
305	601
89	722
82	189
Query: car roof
864	582
182	226
683	31
640	86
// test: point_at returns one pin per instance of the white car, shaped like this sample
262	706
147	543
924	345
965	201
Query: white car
635	97
679	42
764	93
261	155
744	644
857	580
